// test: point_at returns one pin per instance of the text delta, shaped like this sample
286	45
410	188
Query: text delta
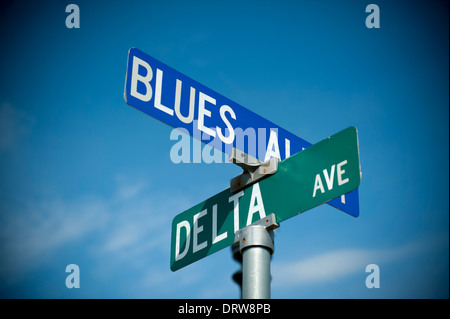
192	229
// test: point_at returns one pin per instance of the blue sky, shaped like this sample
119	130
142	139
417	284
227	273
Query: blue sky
88	180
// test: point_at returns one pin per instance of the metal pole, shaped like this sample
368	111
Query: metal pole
256	244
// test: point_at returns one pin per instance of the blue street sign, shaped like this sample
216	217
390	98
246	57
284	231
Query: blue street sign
181	102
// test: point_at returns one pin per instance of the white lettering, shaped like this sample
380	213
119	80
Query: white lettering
341	172
256	196
235	199
186	225
215	238
272	147
135	77
158	89
177	106
329	179
230	138
287	147
318	185
196	247
202	112
206	310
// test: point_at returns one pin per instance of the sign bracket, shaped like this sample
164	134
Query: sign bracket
256	244
254	170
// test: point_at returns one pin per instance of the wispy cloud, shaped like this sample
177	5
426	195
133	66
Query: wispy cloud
127	188
37	228
319	268
338	264
122	228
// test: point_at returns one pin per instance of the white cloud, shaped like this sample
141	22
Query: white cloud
128	190
319	268
124	227
41	227
338	264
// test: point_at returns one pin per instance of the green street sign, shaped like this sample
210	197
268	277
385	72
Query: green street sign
318	174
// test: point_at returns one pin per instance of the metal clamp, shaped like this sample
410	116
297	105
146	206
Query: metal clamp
258	233
254	170
256	244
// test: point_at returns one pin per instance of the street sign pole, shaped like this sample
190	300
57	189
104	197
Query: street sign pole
256	264
326	172
256	243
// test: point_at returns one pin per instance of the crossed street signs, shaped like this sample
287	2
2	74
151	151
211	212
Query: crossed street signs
177	100
326	172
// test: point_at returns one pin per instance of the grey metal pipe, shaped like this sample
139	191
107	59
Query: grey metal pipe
256	245
256	273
